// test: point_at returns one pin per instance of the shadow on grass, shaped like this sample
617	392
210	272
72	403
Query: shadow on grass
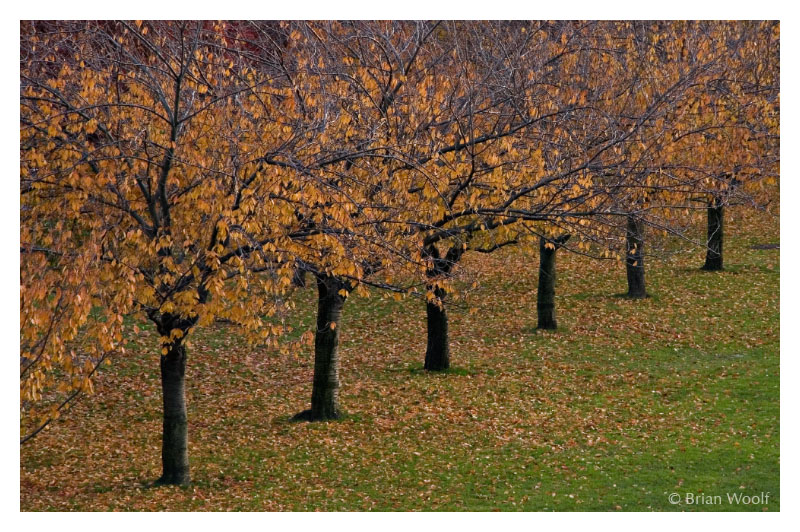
626	297
532	329
150	485
419	369
304	417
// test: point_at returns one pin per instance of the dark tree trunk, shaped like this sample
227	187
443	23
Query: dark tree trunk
714	243
174	445
634	258
325	393
546	291
437	354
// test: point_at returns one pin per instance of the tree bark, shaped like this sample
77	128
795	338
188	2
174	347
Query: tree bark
634	257
714	242
546	290
437	354
174	443
325	392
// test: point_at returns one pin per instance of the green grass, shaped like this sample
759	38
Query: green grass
628	402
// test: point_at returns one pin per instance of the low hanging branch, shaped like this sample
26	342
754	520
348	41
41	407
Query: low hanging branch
56	413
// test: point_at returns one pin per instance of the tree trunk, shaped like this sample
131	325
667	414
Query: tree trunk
634	258
325	393
437	354
546	290
174	444
714	246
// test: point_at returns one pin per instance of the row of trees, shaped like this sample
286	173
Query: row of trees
184	172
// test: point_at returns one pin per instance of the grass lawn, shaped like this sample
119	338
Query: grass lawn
628	402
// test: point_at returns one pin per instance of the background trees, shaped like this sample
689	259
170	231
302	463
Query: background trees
585	126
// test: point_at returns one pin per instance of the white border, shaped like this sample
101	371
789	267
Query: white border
406	9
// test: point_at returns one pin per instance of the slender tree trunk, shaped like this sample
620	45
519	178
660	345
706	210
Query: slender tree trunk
634	258
325	393
437	354
546	292
714	243
174	446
